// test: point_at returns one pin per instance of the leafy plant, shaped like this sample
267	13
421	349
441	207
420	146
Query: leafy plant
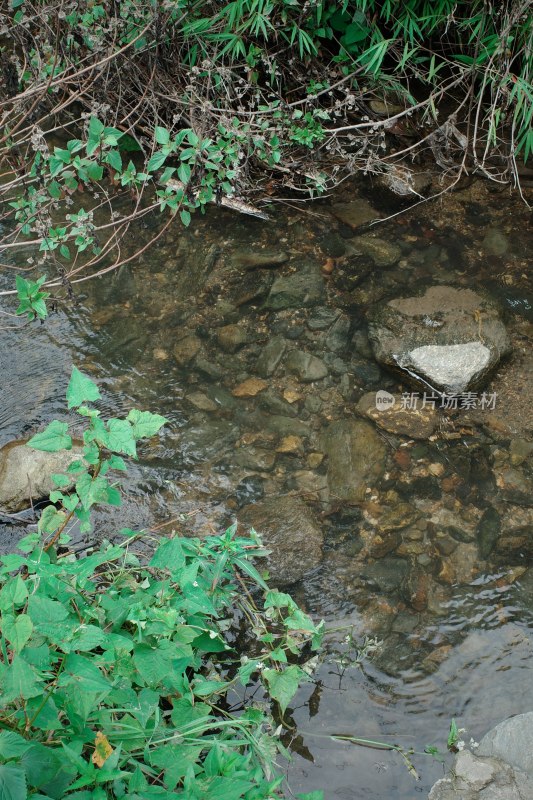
116	668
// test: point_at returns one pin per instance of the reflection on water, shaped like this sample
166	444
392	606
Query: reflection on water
182	333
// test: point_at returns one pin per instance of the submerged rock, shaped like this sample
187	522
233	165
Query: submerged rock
398	418
26	474
355	213
306	367
356	456
302	288
258	259
382	252
290	531
448	340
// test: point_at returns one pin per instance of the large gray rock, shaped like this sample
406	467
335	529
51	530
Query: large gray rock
26	474
289	530
501	769
446	339
512	741
483	779
356	456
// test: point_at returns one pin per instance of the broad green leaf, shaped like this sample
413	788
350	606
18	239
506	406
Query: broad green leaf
317	795
92	490
81	389
13	594
61	480
282	686
44	610
84	673
52	439
144	423
17	630
87	638
12	745
51	519
12	782
121	438
169	555
20	680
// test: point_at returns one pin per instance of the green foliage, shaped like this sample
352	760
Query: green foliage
32	299
114	671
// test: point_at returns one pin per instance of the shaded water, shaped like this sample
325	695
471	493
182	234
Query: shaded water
177	332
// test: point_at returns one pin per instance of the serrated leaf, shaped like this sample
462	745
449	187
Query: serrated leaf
52	439
13	594
12	782
282	686
156	161
120	437
12	745
92	490
81	389
145	424
51	519
17	631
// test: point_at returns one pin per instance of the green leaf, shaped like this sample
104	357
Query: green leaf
20	680
185	217
12	745
162	136
317	795
81	389
144	423
12	782
52	439
51	519
13	594
282	686
17	631
156	161
92	490
169	555
121	437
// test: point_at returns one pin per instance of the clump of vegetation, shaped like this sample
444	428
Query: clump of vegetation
173	104
117	670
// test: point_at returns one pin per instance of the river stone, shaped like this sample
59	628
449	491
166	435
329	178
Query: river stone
300	289
356	456
232	337
186	349
26	474
355	213
446	339
382	252
270	357
417	423
488	531
290	531
512	741
338	336
257	259
495	242
306	367
500	781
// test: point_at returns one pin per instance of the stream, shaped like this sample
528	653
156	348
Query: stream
251	338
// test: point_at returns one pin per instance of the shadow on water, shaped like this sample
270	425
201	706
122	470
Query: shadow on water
449	589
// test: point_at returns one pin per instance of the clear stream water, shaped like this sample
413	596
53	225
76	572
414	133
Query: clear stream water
455	628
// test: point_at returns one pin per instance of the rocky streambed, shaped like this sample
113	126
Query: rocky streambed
307	367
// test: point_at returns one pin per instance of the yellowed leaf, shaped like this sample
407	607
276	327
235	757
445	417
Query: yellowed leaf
102	749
